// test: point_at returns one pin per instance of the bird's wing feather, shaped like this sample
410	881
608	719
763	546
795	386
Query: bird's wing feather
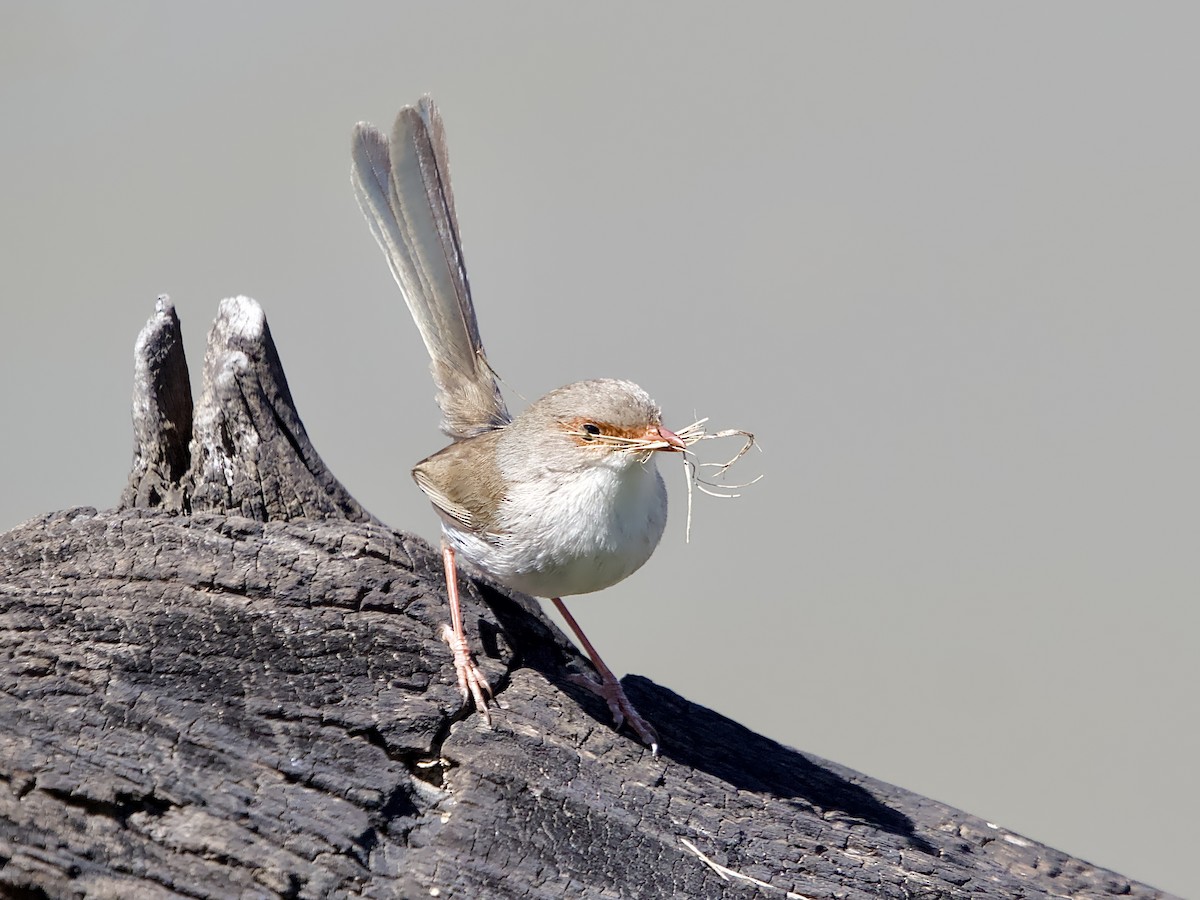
403	188
444	504
464	483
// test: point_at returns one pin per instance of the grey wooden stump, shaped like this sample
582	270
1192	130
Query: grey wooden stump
233	686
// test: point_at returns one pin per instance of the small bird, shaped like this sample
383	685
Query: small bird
565	498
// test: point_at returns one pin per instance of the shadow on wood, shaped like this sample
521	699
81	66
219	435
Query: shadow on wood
233	685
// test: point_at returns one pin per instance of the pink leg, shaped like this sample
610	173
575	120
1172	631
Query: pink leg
609	688
470	679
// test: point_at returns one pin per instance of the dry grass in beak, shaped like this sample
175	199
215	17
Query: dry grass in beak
643	447
695	433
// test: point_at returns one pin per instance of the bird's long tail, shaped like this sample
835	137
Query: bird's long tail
403	188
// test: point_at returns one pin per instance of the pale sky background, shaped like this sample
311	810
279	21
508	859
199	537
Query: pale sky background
942	258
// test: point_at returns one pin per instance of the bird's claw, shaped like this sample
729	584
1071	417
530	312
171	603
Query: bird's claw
622	710
471	681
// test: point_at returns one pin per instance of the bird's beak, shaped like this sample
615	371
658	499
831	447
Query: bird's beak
674	442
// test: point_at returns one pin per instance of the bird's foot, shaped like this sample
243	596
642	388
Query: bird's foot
471	682
618	704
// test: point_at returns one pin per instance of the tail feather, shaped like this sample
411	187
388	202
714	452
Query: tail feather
403	188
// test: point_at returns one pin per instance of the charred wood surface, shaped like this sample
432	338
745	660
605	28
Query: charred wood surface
233	686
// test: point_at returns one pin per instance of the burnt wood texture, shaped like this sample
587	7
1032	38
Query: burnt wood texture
233	685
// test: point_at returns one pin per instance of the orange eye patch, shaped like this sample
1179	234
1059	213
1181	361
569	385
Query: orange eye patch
588	431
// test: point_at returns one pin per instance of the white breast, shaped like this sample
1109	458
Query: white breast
573	536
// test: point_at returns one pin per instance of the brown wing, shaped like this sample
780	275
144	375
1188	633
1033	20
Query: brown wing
463	483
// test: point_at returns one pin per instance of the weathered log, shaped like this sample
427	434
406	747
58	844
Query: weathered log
162	414
233	686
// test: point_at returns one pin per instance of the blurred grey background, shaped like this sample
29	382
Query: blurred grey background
942	258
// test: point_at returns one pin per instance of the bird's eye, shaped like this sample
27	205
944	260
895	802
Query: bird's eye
590	430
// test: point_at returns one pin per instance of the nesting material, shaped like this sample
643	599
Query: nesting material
690	435
695	433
